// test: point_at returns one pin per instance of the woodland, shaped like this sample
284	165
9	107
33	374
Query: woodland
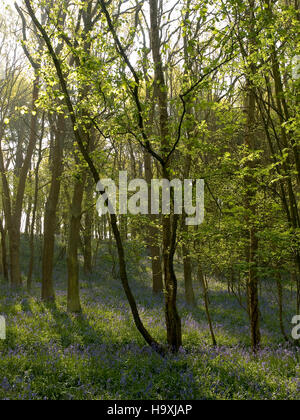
144	306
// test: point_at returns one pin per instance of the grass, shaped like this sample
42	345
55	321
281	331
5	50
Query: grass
50	354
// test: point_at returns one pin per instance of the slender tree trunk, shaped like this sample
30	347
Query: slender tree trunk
250	185
173	321
152	235
280	305
50	211
253	292
89	215
187	269
206	303
3	251
187	261
153	231
88	227
252	282
73	245
34	211
188	279
28	213
14	254
157	280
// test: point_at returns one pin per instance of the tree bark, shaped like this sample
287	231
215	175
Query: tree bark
250	186
173	321
3	252
252	283
280	306
89	214
51	208
88	224
187	268
74	239
34	212
152	235
206	303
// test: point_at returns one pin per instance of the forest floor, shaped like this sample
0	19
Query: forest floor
50	354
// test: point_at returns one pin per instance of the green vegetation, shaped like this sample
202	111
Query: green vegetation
50	354
128	301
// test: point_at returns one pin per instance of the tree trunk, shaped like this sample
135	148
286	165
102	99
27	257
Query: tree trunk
3	251
280	305
34	211
187	269
250	186
89	215
206	303
253	292
14	255
152	235
173	321
28	212
88	224
73	245
50	211
252	283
